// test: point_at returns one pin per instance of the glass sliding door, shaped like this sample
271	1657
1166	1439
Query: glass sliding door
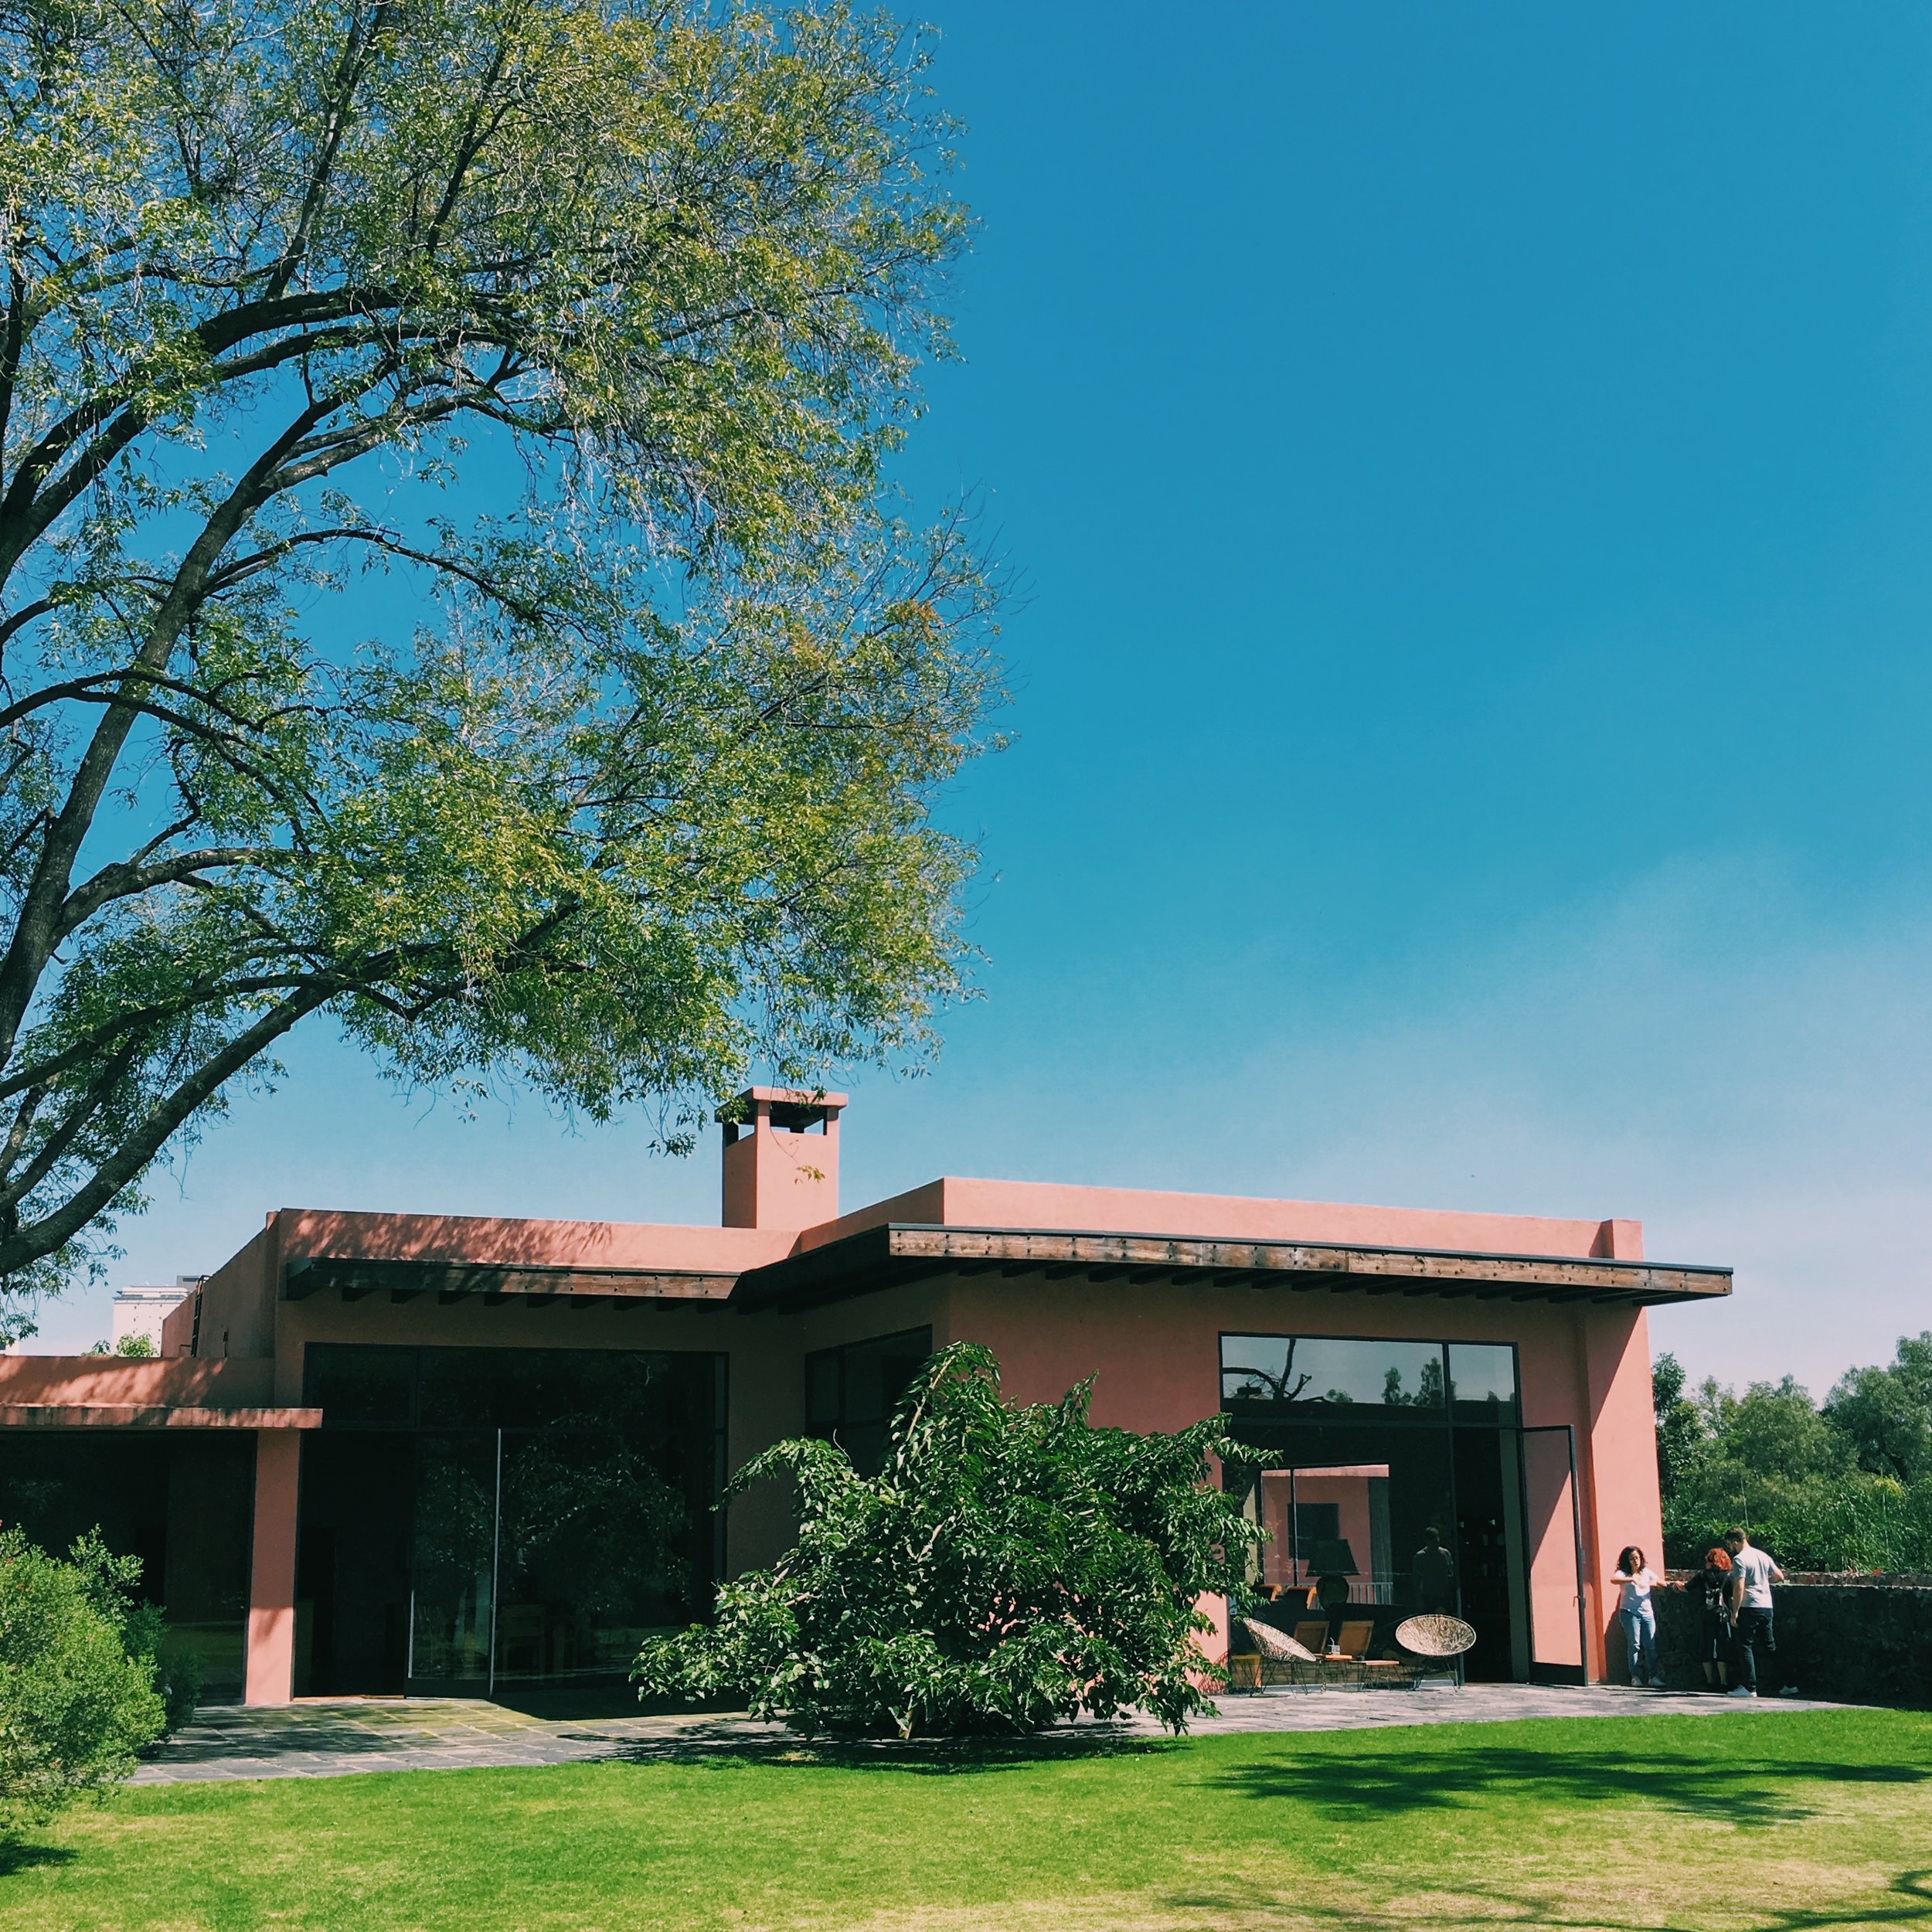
1489	1553
471	1516
1373	1505
594	1551
453	1575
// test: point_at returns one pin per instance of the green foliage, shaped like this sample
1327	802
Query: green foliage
1009	1565
133	1347
1680	1428
77	1695
1885	1414
110	1584
1845	1487
593	325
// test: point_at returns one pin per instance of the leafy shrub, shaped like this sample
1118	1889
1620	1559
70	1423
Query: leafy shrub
75	1704
1009	1566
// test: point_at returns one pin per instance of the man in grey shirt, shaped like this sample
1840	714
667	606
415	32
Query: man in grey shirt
1753	1574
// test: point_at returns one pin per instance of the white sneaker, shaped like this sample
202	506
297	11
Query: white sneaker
1740	1690
1657	1683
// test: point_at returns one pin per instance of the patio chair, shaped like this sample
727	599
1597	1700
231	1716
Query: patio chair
1354	1642
1436	1640
1355	1639
1282	1660
1313	1635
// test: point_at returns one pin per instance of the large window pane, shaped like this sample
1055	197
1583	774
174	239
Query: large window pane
179	1499
452	1579
352	1562
549	1388
1482	1382
1281	1372
600	1546
1386	1493
550	1507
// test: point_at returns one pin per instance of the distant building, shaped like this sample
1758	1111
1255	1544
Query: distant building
142	1311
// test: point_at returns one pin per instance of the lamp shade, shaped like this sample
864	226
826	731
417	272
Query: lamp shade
1333	1557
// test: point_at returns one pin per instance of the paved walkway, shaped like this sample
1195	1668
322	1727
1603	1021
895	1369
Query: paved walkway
331	1738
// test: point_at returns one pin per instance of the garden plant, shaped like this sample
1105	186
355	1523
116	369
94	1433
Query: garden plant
1010	1565
78	1671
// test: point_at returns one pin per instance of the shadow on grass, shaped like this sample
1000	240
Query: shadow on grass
929	1757
16	1857
1742	1790
1908	1903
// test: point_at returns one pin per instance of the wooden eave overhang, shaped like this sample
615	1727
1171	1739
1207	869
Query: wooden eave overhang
150	1415
617	1290
897	1253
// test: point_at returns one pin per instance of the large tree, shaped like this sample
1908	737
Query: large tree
445	576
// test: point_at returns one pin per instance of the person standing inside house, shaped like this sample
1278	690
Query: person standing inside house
1435	1573
1712	1587
1754	1644
1637	1580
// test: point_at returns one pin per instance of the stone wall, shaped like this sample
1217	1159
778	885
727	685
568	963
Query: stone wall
1863	1641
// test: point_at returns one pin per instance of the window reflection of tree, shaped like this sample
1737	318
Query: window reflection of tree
1261	1385
1430	1389
1288	1385
592	1503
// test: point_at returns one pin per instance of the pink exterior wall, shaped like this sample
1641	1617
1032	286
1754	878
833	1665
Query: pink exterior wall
1620	1452
177	1328
271	1575
93	1380
955	1203
501	1242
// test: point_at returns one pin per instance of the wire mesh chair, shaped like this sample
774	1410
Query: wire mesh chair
1282	1660
1437	1641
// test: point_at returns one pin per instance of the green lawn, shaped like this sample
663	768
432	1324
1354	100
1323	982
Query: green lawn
1753	1819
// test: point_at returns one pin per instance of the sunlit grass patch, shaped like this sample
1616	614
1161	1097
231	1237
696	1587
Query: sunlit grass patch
1739	1823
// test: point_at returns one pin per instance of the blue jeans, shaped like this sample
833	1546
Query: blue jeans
1640	1640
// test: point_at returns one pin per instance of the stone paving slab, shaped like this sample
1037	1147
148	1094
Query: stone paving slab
336	1737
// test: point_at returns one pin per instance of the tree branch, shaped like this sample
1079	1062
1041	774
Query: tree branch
34	932
128	880
137	1149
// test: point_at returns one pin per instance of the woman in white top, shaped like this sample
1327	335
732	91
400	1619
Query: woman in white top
1637	1579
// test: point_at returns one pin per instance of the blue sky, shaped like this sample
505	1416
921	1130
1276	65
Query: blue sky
1472	471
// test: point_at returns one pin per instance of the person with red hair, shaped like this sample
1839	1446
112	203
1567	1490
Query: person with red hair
1712	1587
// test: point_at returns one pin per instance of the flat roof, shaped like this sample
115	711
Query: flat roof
895	1253
888	1254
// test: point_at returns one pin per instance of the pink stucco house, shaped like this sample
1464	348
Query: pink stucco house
388	1453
